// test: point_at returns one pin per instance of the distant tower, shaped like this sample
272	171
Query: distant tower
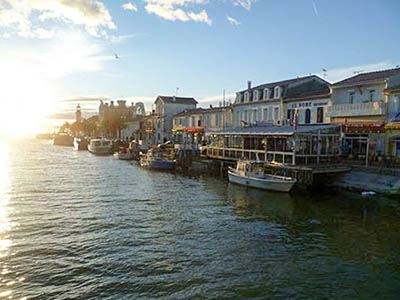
78	114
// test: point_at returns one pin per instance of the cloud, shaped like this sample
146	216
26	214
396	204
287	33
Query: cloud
83	99
246	4
232	20
173	10
315	9
28	18
129	6
214	100
336	75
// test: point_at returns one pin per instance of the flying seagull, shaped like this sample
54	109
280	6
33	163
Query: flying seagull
116	56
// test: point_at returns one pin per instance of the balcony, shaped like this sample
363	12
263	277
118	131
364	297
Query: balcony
357	109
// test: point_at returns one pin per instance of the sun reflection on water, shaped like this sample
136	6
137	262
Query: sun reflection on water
5	224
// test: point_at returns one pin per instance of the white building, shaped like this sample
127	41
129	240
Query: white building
165	109
276	102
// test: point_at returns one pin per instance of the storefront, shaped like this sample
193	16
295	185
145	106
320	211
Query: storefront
393	139
360	138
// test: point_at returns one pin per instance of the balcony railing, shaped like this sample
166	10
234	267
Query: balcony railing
357	109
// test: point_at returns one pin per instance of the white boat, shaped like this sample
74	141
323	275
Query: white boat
251	173
100	146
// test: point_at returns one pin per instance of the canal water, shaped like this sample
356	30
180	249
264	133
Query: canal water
77	226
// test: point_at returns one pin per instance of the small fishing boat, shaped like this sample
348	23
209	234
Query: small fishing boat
100	146
251	173
80	143
124	154
158	159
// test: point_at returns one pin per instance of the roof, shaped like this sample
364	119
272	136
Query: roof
272	130
177	100
280	83
363	77
190	112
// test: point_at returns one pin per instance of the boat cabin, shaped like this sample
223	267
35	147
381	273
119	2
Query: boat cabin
248	168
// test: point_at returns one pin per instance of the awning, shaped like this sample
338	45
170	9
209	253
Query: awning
194	129
375	127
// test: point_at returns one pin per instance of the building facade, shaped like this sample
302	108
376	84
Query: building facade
276	102
363	105
165	109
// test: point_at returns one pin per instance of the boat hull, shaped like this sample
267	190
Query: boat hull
261	183
100	151
159	164
124	156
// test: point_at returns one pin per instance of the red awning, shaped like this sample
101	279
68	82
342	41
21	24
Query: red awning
195	129
365	124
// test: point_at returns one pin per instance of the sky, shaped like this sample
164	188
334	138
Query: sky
57	53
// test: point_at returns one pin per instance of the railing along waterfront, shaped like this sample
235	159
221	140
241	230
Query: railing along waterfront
277	156
357	109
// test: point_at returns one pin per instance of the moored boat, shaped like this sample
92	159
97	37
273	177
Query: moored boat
100	146
124	154
80	143
61	139
251	173
157	159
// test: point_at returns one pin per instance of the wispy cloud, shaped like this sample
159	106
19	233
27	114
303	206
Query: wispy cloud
129	6
343	73
315	9
175	10
27	18
215	99
232	20
246	4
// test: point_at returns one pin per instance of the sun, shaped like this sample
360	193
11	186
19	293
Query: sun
26	100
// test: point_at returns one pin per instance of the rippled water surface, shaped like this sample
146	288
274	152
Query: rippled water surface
77	226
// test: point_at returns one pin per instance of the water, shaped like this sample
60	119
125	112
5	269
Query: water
77	226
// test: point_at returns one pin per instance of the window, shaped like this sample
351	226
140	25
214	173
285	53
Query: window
277	92
193	121
351	97
290	114
270	114
255	95
180	121
255	115
266	94
371	95
308	116
216	120
397	103
265	116
320	115
199	122
276	113
175	122
238	117
246	96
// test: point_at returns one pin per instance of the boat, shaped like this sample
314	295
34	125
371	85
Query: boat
80	143
159	159
124	154
100	146
62	139
251	173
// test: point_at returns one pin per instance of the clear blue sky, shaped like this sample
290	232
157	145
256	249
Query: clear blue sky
67	48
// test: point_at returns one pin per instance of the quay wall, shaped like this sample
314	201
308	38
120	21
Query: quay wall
368	180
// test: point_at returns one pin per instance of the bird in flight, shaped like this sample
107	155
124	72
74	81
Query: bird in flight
116	55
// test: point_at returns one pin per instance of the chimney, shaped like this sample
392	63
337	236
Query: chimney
248	84
112	103
210	105
220	104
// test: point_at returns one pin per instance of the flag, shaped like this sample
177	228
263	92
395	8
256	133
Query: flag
346	126
295	119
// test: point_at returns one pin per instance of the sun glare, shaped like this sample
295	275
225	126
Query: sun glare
26	99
